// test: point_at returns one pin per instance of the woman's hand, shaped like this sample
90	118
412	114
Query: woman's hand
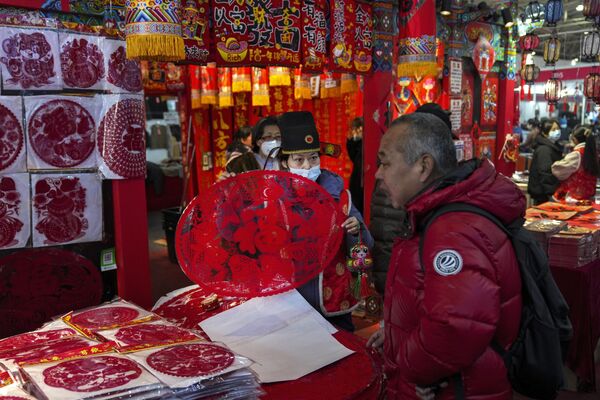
351	225
224	175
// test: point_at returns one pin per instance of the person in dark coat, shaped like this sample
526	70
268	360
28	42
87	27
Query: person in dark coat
354	145
388	223
542	184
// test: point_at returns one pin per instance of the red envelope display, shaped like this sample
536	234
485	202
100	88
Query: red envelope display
258	234
314	35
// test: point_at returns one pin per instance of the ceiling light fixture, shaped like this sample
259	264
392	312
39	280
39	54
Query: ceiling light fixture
446	8
579	8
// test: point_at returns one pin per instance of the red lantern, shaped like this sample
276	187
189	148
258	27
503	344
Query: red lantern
529	73
552	92
484	56
591	86
591	9
529	42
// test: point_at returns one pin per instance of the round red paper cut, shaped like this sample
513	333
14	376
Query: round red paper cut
11	137
226	238
104	317
29	60
191	360
92	374
82	63
121	139
61	133
124	73
152	333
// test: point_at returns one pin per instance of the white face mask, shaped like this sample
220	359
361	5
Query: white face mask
266	147
312	173
554	135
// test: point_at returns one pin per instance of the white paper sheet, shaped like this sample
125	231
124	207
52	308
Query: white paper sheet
282	334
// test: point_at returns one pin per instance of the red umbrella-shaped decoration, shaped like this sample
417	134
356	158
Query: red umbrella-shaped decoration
259	233
484	56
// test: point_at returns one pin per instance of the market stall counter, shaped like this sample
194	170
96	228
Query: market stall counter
570	235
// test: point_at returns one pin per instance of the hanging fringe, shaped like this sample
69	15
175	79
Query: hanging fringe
155	47
522	90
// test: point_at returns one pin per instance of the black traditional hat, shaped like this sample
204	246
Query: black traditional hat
298	133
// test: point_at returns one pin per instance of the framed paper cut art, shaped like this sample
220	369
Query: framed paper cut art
66	209
12	135
122	137
122	75
15	225
82	61
29	59
61	131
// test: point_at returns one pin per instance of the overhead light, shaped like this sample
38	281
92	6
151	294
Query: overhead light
586	33
574	61
507	16
446	7
533	53
579	7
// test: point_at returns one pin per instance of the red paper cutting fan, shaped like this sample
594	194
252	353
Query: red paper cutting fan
259	233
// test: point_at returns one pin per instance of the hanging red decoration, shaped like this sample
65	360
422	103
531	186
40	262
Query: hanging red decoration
484	56
529	42
591	9
529	73
591	86
552	92
259	233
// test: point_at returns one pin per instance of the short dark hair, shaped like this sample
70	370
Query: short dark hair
242	133
357	122
547	126
259	128
425	133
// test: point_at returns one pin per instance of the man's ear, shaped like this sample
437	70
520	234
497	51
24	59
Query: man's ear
426	168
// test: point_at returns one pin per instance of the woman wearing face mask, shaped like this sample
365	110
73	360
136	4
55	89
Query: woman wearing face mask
579	169
266	138
546	152
330	292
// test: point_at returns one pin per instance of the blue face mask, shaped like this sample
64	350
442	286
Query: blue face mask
554	135
312	173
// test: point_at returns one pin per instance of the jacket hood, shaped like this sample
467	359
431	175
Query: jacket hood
475	182
541	140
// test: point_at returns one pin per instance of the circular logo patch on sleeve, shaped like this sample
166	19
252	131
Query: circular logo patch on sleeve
447	262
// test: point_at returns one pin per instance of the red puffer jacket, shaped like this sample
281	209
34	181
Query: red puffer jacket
441	322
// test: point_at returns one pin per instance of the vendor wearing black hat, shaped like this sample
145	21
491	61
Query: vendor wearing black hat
300	154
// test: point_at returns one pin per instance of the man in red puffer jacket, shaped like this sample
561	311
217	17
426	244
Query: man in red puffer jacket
441	317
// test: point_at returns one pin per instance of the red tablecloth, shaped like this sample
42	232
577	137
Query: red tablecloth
358	376
581	289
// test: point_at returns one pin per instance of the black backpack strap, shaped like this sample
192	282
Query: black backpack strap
453	207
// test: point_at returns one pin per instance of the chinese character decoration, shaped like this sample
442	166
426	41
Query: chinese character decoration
194	24
489	99
194	71
266	32
153	30
208	84
416	51
484	56
260	87
225	94
241	78
314	35
222	127
351	36
279	76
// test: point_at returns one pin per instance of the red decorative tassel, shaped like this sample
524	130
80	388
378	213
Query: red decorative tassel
565	106
575	108
522	90
587	107
551	108
364	286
